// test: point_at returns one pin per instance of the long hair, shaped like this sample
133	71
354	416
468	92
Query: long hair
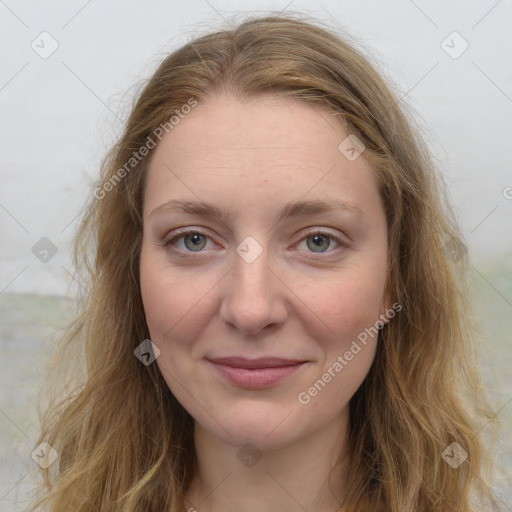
126	444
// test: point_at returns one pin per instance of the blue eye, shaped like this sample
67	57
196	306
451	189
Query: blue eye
321	240
196	240
317	241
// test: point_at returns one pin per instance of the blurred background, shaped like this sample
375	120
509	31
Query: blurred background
68	74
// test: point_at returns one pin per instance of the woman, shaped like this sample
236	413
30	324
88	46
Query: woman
275	318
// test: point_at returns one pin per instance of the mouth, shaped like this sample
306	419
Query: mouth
255	373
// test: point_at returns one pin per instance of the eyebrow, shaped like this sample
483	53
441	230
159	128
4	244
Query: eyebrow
289	210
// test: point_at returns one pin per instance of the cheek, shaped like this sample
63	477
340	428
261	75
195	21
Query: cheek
168	306
349	304
155	297
350	309
165	300
176	305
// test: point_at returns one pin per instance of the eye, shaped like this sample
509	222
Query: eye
193	240
319	241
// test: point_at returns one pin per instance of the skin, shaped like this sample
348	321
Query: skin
296	300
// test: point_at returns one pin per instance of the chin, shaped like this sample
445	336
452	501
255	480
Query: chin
266	426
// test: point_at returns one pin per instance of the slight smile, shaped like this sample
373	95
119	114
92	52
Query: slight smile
255	373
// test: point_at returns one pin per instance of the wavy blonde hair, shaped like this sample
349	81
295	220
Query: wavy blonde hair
125	443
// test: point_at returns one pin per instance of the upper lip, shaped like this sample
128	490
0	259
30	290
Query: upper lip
264	362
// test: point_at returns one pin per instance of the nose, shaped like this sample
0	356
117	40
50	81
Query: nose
255	297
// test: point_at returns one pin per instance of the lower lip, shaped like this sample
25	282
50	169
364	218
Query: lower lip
257	378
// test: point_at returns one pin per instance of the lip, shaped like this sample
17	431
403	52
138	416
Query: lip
255	373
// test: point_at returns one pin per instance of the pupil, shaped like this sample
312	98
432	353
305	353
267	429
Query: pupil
196	241
320	240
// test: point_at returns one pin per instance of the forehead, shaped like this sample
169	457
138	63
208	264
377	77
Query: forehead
268	147
230	127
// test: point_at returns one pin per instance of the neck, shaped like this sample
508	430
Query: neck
307	474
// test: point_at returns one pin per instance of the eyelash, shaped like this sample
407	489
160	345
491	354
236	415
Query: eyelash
168	243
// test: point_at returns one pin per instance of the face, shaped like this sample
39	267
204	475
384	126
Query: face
261	300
